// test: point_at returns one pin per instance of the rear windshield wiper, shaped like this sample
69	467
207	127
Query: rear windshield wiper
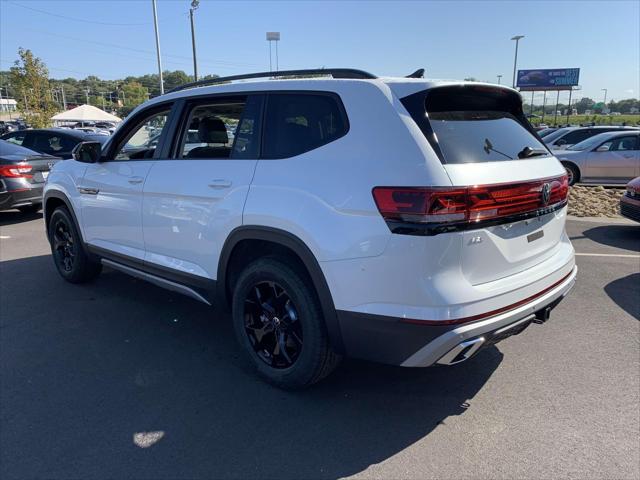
488	147
528	152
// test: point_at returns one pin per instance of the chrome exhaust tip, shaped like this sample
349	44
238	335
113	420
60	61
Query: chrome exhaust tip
461	352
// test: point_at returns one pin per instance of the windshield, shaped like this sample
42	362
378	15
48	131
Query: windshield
555	135
483	136
590	143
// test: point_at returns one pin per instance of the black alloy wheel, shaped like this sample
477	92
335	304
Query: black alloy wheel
272	324
64	248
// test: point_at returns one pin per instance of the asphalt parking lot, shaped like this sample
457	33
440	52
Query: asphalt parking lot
120	379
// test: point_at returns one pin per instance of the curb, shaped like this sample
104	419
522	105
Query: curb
615	221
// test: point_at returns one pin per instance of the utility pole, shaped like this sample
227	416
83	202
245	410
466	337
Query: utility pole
155	24
605	99
102	95
515	60
194	7
64	99
86	94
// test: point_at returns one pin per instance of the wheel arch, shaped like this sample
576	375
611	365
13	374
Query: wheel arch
52	200
282	241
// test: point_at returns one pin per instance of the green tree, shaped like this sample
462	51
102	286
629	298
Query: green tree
30	80
133	93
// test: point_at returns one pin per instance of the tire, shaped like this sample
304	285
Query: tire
69	256
30	208
303	356
572	172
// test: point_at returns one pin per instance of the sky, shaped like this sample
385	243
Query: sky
450	39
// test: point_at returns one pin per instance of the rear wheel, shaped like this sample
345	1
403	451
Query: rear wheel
572	173
279	324
69	256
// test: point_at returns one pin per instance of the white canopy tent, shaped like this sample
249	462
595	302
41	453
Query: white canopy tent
85	113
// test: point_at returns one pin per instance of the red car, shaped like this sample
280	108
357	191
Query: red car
630	201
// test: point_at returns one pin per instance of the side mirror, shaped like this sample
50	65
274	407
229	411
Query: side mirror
602	148
87	152
561	142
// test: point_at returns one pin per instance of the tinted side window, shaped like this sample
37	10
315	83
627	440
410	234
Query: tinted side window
52	143
297	123
576	136
16	138
224	128
623	144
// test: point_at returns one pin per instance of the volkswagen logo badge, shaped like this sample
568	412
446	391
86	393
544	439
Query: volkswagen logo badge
546	193
51	164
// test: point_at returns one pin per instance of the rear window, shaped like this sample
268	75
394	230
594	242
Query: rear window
298	122
482	136
474	124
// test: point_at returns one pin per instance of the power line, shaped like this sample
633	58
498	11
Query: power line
217	64
83	20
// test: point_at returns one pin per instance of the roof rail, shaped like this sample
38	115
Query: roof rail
334	72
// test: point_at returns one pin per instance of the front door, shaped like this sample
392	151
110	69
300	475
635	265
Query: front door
111	190
614	161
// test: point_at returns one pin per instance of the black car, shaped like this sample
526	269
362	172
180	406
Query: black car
58	142
23	173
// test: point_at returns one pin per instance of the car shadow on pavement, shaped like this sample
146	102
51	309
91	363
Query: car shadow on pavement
626	237
12	217
121	379
625	292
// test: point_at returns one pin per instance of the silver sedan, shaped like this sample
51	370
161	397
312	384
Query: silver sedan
612	157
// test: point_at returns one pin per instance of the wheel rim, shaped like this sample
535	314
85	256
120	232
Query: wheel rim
63	246
272	325
569	175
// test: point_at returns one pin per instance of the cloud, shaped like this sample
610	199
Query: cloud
629	90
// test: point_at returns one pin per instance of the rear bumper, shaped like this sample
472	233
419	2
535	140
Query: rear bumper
630	207
391	340
20	198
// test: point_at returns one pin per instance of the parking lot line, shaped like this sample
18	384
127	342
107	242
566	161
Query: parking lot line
607	255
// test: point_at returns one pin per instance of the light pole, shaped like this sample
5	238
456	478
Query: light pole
273	37
499	77
605	98
515	60
194	7
155	24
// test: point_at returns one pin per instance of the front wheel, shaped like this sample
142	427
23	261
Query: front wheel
71	260
279	324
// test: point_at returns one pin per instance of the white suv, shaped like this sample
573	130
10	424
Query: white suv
391	219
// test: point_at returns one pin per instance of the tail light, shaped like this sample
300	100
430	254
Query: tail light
18	170
443	209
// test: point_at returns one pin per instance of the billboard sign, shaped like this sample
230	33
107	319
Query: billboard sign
555	79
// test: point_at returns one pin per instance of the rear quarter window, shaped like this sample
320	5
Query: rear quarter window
296	123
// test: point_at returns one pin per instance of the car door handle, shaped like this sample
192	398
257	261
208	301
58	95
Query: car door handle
88	191
135	180
220	183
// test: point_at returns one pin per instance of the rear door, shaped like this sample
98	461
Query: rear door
615	160
111	190
195	194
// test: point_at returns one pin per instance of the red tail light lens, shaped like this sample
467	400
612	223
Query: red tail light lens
18	170
468	205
